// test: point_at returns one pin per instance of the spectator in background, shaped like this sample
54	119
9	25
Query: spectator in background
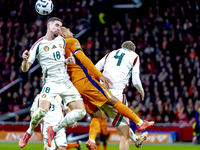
162	76
3	107
181	116
17	117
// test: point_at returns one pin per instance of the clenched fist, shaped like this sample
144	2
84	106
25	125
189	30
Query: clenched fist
25	55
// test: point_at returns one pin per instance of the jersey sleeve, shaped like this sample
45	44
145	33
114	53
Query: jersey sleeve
34	51
100	64
136	65
137	82
83	59
35	104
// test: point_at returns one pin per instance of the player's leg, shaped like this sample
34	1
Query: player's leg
104	132
76	114
101	95
104	138
123	132
73	99
38	115
44	104
76	145
97	117
125	111
98	142
60	140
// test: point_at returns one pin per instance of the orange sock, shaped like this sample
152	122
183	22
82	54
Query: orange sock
125	111
72	145
98	147
94	128
105	147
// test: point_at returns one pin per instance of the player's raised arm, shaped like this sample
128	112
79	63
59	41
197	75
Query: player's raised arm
136	77
25	64
100	64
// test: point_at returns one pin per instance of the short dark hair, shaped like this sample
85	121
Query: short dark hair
52	19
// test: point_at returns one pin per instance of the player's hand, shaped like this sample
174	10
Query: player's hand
75	124
25	55
70	60
142	95
105	81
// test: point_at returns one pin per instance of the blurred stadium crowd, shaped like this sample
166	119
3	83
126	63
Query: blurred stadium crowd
166	35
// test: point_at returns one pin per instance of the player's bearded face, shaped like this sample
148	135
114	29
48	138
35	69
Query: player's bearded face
55	28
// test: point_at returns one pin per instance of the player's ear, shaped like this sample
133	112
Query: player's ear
48	25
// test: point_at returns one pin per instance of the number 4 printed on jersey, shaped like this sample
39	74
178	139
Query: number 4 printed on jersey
119	57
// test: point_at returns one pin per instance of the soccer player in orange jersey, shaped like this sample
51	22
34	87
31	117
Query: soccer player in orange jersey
92	91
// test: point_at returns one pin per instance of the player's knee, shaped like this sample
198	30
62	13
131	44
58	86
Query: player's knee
39	114
124	138
42	112
112	101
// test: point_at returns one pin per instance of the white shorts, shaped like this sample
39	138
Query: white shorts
116	118
59	140
65	90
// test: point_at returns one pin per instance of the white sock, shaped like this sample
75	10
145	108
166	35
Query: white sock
70	118
92	140
140	123
35	119
132	135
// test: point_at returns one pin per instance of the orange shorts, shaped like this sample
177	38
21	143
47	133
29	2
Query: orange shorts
93	93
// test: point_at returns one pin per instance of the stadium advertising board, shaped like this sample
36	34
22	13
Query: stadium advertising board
15	136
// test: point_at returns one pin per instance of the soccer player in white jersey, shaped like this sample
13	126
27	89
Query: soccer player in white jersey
49	50
54	116
118	66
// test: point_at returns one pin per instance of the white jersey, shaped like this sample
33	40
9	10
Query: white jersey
50	55
54	115
122	59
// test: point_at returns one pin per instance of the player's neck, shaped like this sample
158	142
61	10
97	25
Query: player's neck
49	37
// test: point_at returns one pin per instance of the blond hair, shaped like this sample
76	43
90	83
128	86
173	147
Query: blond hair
129	45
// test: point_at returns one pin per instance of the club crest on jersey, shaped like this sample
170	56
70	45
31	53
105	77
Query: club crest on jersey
57	100
44	95
60	45
46	48
77	45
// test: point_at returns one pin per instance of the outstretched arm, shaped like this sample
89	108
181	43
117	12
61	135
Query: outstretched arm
91	67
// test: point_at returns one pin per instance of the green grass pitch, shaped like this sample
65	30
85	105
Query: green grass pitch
39	146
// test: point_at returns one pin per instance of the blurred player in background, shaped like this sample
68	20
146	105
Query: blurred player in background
93	93
119	65
196	126
54	116
49	50
103	132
